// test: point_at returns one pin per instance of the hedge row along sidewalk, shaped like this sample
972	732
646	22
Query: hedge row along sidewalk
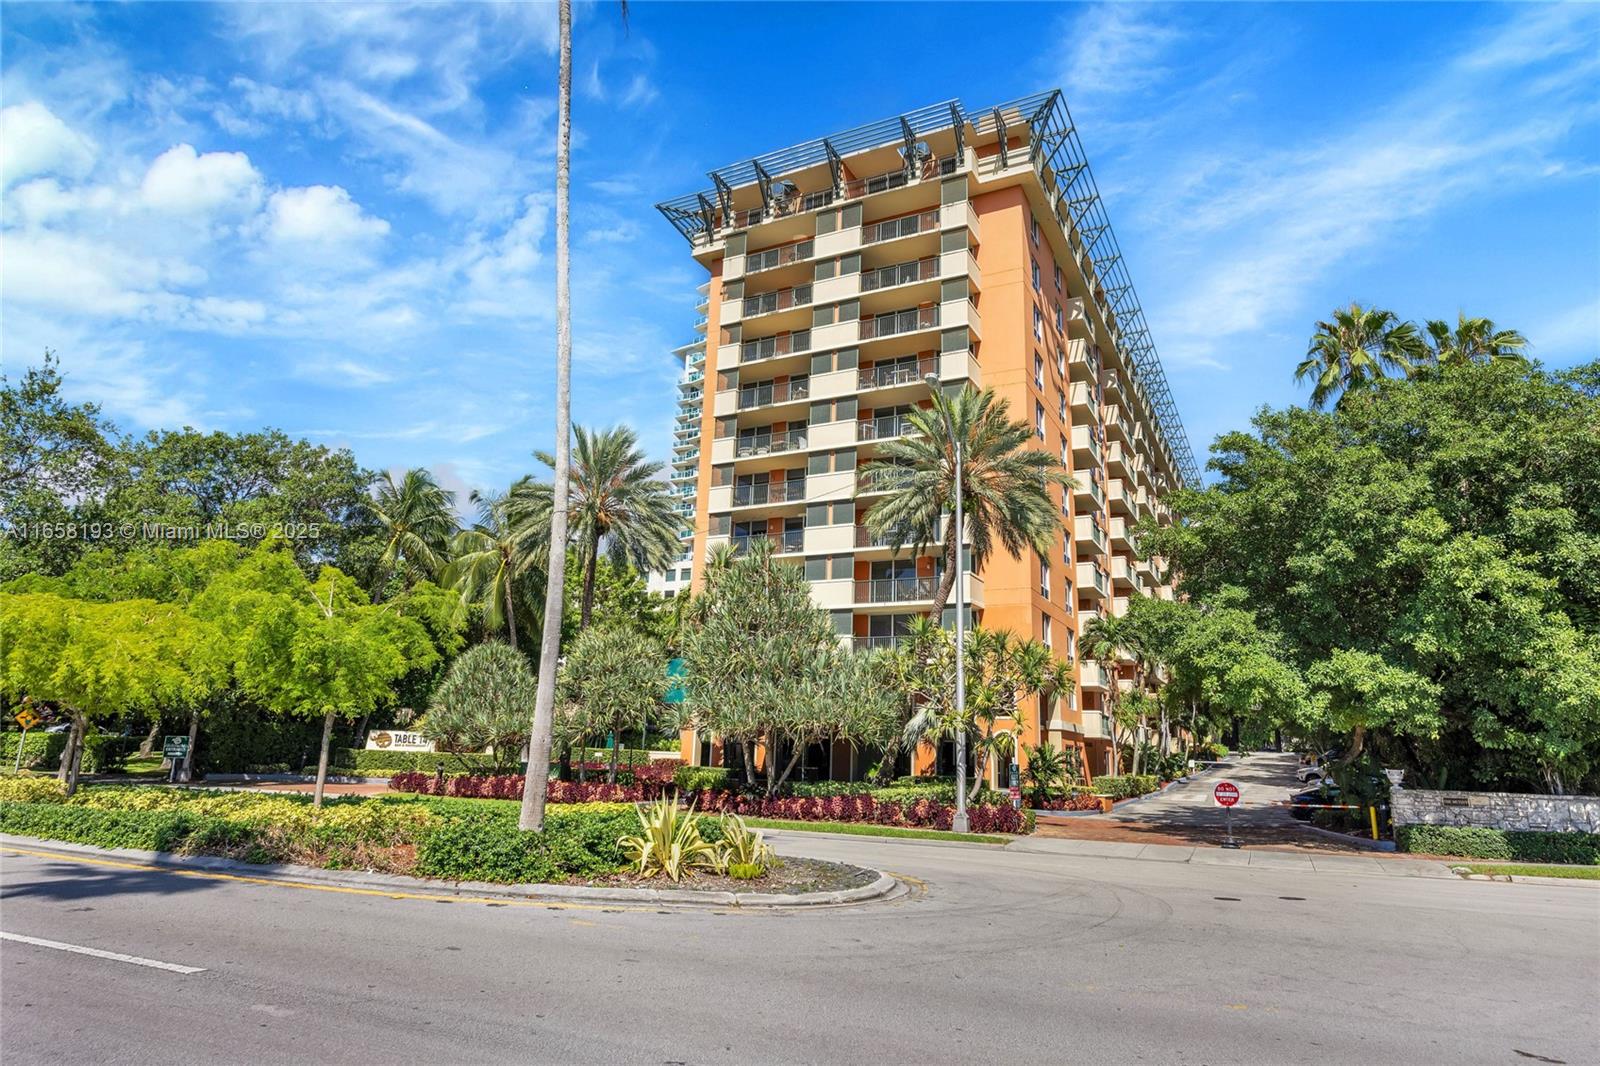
1511	845
894	807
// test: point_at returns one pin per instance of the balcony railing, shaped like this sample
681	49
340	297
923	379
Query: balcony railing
792	490
865	538
881	640
894	590
894	228
883	428
772	347
884	375
896	322
791	540
772	258
770	443
781	392
767	303
900	274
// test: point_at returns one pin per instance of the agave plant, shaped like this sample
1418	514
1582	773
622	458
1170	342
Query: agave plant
669	843
742	846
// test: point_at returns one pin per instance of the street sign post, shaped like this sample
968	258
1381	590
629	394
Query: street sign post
174	748
1016	797
1227	796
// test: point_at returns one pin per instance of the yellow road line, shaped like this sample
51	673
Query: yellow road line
346	889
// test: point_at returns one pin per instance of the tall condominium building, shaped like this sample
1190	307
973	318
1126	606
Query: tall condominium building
966	244
685	476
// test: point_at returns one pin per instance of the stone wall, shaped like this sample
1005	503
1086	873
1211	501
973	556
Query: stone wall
1496	810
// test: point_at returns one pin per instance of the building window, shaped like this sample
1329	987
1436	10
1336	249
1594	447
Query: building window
1060	322
1044	631
1038	419
1061	361
1038	371
1044	579
1033	230
1058	288
1072	645
1061	404
1036	276
1038	324
1064	461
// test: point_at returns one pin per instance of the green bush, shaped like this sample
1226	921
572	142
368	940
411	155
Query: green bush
483	843
1509	844
351	762
172	830
701	778
1126	786
106	754
42	751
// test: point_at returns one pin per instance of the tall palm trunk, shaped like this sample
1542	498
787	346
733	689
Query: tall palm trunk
533	787
590	562
511	615
952	559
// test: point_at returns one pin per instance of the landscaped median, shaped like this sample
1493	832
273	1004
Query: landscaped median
584	845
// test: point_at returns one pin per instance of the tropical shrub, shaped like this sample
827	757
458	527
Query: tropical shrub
669	843
31	790
701	778
745	871
742	846
1126	785
1510	844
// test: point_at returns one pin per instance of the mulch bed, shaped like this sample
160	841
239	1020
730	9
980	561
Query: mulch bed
787	875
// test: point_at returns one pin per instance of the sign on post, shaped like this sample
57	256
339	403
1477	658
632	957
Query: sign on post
1227	795
1016	797
27	718
175	747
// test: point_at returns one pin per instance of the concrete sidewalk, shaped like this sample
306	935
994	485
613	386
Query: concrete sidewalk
1210	855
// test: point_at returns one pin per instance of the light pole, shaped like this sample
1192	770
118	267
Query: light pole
958	823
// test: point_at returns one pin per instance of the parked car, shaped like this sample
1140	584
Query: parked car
1303	803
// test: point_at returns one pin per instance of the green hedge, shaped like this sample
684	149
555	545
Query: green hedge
701	778
351	762
483	843
1125	786
1509	844
41	752
169	830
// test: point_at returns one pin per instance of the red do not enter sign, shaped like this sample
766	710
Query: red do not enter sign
1226	793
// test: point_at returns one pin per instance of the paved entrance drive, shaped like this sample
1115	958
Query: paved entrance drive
1186	814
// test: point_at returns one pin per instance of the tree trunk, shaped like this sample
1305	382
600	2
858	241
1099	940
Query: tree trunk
150	738
73	756
889	756
611	776
534	788
187	773
750	763
322	759
590	562
1165	741
359	740
772	762
565	772
511	616
947	583
793	758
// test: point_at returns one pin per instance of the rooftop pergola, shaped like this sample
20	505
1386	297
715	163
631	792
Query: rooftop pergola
1053	149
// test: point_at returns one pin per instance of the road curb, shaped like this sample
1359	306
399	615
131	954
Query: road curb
883	887
868	838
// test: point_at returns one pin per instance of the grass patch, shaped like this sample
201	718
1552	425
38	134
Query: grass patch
1581	873
150	764
868	829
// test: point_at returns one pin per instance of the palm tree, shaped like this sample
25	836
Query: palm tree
1103	641
1358	347
419	518
1003	483
615	503
490	560
1474	340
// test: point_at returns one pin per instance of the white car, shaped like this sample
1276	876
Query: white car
1311	774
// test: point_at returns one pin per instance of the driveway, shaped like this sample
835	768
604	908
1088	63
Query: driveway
1186	813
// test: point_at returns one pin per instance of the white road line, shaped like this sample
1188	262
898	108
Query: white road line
97	953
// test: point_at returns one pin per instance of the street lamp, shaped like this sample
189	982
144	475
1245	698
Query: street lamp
958	823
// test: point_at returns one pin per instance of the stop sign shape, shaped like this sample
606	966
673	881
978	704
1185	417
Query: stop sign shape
1226	793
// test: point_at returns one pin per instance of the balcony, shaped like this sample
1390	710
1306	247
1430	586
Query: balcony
788	200
784	255
900	274
882	640
765	395
865	538
768	303
1085	447
1079	324
897	322
895	228
773	347
894	590
1090	537
1083	363
1089	494
792	490
1122	537
889	374
1092	582
884	428
790	540
1092	675
769	443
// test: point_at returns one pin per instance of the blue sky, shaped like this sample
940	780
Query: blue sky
338	220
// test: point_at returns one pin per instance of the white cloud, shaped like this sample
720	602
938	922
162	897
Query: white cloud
320	214
182	181
37	142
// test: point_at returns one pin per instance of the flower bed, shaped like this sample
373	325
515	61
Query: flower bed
1082	801
923	812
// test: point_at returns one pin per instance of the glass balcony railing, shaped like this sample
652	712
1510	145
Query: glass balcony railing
769	443
770	393
792	490
894	590
906	373
897	322
883	428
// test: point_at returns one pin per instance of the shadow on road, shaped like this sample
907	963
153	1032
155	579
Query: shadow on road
71	882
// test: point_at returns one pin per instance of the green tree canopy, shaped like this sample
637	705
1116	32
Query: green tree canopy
484	702
616	679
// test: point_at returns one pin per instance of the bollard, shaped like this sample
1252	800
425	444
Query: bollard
1374	812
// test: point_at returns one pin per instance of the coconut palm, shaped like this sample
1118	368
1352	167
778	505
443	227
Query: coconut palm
1474	340
1357	348
490	560
616	503
1004	494
1103	640
419	518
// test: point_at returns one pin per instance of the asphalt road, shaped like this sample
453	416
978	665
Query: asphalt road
996	957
